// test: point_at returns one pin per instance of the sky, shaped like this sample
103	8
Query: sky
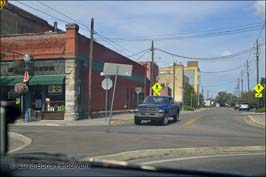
156	19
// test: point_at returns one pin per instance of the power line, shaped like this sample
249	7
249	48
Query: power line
138	53
61	13
211	58
58	19
190	36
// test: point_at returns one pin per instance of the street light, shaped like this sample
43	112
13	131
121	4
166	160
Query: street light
27	59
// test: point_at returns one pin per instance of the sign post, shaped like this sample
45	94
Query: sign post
138	90
107	84
117	70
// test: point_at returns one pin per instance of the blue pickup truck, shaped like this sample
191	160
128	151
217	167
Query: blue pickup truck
157	109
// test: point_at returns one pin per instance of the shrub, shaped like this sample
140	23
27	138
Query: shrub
261	110
188	108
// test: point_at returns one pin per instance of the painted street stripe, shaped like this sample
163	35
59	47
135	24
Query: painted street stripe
250	118
192	120
200	157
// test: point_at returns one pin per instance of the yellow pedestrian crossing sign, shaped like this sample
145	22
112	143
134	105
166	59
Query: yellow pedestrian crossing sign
157	88
258	95
3	3
258	88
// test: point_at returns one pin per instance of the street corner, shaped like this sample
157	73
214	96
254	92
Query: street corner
140	155
40	123
17	141
258	119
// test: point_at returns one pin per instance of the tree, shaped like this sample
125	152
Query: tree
188	91
224	98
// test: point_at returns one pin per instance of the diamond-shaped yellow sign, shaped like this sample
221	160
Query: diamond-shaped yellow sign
258	88
157	87
3	3
258	95
156	94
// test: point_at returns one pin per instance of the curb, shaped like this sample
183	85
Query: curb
251	119
19	137
180	152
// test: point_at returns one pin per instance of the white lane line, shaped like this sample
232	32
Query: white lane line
26	140
199	157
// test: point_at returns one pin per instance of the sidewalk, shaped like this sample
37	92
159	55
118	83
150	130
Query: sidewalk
102	121
256	118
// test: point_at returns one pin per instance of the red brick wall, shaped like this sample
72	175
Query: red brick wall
43	46
104	54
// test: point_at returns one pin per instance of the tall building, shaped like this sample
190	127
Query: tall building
175	81
192	71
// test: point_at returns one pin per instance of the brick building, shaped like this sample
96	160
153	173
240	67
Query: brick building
192	71
58	83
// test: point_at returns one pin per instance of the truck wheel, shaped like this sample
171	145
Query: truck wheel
176	117
137	121
165	120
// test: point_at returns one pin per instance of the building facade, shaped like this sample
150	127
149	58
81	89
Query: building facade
175	81
192	71
58	74
15	20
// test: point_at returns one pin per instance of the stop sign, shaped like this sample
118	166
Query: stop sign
107	84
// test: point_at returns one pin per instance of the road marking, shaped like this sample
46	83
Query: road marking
250	118
26	140
199	157
192	120
121	121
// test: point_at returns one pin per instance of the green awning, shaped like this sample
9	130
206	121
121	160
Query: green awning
10	80
47	80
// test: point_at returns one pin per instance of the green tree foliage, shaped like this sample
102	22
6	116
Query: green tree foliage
224	98
189	90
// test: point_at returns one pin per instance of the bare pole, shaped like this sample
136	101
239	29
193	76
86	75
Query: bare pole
248	75
90	68
241	82
152	72
257	56
174	80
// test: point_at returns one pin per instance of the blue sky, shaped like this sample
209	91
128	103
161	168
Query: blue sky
130	19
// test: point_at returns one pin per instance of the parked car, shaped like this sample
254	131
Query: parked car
244	106
237	106
158	109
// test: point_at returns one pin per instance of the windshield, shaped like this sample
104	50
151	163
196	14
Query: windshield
156	100
77	70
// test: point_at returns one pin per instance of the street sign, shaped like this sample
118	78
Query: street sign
111	69
156	94
138	90
157	87
258	88
3	3
258	95
107	84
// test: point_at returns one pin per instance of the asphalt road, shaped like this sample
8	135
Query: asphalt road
214	127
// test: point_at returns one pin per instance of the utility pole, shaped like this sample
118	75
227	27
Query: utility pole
90	68
241	82
248	75
174	80
257	55
238	89
152	72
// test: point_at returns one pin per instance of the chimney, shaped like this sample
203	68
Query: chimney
72	39
55	26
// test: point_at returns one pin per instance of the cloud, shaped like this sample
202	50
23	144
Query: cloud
226	53
260	8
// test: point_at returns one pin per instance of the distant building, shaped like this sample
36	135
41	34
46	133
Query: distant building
149	79
166	77
192	71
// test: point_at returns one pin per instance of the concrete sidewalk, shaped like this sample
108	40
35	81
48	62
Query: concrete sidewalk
256	118
102	121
